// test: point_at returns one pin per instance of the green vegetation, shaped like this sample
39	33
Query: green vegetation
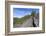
23	19
33	13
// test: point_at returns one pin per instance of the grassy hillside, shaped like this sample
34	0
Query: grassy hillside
21	20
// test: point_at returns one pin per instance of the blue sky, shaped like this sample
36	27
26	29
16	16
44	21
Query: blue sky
20	12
